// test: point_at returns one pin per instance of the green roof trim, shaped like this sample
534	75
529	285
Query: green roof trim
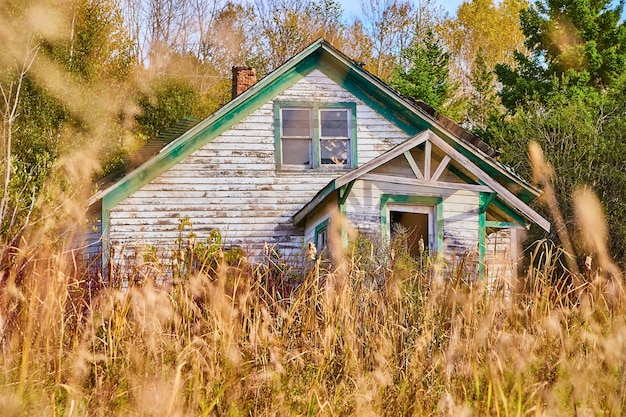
299	217
211	127
407	115
412	118
377	99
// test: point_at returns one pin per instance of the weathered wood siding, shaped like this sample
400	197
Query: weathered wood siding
460	211
459	207
231	184
320	215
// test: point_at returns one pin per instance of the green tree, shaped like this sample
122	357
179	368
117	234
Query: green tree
426	77
571	44
97	46
70	104
169	101
483	103
582	136
566	94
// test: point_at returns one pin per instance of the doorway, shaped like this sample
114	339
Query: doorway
415	223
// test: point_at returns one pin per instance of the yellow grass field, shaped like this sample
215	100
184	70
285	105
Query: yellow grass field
363	337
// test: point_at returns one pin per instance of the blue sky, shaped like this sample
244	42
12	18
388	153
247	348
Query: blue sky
352	7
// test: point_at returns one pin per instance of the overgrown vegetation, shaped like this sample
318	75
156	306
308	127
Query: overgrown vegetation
99	78
362	337
375	333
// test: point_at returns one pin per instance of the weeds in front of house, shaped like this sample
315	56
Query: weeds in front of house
400	337
375	332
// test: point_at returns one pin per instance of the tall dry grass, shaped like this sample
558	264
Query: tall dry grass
372	333
364	337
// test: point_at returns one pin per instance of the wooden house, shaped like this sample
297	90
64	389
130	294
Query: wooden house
316	136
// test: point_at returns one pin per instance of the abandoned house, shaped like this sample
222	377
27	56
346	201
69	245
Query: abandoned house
316	136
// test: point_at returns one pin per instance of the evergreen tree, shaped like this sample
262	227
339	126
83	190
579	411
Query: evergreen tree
571	44
582	137
426	77
483	102
566	94
169	101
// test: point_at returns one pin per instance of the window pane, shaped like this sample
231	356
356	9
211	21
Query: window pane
296	151
334	123
334	151
296	122
322	239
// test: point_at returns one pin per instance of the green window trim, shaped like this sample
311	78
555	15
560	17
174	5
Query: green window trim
315	109
436	202
319	230
485	200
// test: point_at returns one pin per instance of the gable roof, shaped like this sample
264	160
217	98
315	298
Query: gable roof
410	116
502	192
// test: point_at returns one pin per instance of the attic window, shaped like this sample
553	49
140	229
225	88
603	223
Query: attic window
315	135
321	238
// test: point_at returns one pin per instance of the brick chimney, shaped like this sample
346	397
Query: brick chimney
243	78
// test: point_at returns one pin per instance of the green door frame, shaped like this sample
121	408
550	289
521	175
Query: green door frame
436	202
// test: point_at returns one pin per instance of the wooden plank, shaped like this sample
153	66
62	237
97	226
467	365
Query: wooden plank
427	184
226	190
197	212
203	202
206	166
505	194
206	198
427	160
442	166
236	145
172	224
413	165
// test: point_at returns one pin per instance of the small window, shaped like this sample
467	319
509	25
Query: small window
315	135
334	136
321	238
296	136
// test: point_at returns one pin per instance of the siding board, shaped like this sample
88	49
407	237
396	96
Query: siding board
460	211
231	183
